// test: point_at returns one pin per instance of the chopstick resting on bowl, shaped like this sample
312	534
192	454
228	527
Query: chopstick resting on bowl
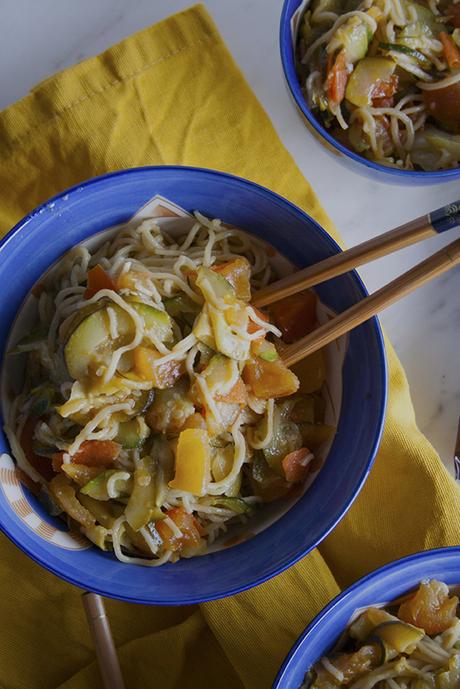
438	221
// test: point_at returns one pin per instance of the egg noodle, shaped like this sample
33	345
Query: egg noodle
384	76
151	415
413	645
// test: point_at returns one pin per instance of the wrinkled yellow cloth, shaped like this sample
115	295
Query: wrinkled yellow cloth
172	94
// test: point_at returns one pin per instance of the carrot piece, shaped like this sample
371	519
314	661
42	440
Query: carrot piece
237	395
337	78
41	464
98	279
451	52
295	465
92	453
187	523
161	375
295	316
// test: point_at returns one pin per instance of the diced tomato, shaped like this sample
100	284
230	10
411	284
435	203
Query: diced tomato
238	273
41	464
295	316
161	375
296	465
92	453
269	379
453	12
237	395
444	106
383	92
337	78
98	279
188	524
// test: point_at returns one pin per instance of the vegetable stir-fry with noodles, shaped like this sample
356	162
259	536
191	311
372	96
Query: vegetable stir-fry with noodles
415	645
156	408
384	77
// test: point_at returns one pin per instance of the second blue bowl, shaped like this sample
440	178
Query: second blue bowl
354	161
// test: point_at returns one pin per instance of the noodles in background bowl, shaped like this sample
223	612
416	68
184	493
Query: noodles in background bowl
384	77
126	388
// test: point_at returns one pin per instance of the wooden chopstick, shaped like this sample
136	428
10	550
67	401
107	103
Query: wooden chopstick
428	269
398	238
102	637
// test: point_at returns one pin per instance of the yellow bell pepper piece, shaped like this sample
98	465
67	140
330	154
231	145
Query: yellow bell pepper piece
193	459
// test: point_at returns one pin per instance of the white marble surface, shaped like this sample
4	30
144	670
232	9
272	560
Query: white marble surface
39	38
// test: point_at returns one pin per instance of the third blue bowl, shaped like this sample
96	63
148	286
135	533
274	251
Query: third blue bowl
381	586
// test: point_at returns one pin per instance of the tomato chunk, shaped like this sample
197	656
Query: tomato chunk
187	523
444	106
295	316
295	465
92	453
98	279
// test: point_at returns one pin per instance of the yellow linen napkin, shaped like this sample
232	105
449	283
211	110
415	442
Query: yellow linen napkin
172	94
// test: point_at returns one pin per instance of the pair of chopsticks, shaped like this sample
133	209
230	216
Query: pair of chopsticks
425	226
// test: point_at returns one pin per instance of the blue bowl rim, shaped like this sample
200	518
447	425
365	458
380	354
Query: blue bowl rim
400	563
383	370
287	60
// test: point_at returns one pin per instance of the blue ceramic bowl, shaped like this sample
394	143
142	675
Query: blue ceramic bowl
381	586
351	159
50	230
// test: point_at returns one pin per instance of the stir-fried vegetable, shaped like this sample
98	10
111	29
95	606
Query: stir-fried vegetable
141	507
238	274
367	78
295	465
188	526
192	462
107	485
451	52
99	453
337	78
92	340
148	366
269	379
98	279
430	607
